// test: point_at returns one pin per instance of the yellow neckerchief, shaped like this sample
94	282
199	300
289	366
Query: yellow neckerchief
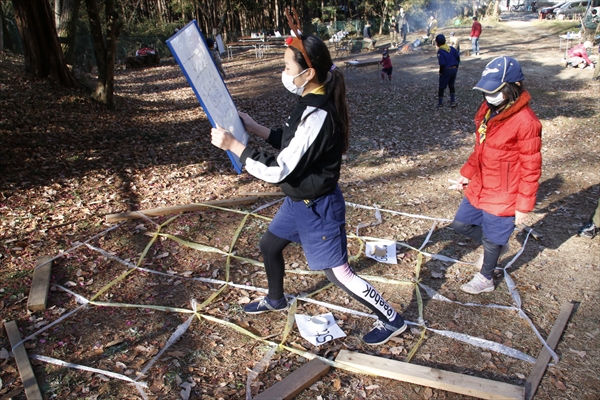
483	127
445	47
319	90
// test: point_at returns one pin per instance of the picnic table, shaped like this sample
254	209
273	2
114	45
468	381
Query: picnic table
341	46
253	38
567	39
258	43
243	45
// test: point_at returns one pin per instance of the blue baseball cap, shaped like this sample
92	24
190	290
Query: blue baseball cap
498	72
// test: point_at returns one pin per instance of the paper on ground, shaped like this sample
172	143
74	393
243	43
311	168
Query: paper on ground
316	335
383	251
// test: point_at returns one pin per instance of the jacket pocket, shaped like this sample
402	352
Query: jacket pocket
504	175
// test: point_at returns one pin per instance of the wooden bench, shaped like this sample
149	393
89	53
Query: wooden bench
361	63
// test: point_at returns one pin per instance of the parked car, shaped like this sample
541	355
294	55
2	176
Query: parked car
548	12
570	9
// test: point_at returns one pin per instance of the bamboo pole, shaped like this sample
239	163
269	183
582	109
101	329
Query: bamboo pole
179	209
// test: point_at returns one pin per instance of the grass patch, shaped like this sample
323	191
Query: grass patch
558	27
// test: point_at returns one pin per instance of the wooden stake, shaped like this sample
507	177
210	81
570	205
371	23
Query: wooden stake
32	390
539	368
38	293
295	382
432	377
179	209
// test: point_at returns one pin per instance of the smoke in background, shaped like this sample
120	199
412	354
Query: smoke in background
445	11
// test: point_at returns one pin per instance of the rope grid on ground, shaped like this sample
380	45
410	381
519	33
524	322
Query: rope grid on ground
196	308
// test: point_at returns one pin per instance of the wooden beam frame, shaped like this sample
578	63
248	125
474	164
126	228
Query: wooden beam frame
40	284
295	382
539	368
32	390
154	212
432	377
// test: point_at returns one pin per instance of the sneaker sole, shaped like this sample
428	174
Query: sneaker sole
264	311
396	333
470	291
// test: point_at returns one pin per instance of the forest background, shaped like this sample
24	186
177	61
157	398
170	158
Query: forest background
102	33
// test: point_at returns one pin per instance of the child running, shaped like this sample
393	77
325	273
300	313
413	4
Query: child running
307	169
386	63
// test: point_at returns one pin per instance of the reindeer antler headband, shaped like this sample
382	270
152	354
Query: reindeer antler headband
296	42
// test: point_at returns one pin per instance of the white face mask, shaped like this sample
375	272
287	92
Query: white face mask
495	99
288	82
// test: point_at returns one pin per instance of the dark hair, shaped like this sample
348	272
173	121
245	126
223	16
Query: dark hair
335	87
474	18
440	39
210	43
511	92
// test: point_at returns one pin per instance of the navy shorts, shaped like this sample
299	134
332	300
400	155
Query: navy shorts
448	77
496	229
387	70
320	229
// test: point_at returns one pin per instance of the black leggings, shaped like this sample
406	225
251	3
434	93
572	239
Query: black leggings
272	247
491	251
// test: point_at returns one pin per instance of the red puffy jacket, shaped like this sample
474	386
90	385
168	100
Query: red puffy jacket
504	170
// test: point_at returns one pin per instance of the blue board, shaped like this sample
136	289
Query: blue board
193	56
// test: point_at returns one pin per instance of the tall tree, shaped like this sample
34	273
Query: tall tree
496	7
67	27
43	55
104	49
1	30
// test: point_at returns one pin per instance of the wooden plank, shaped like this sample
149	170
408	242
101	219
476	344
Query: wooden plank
40	284
32	390
539	368
179	209
295	382
432	377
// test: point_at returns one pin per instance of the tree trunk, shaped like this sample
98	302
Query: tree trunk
43	55
67	28
277	24
1	30
223	16
104	51
496	7
58	5
6	41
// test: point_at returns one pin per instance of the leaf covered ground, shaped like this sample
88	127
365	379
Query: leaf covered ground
67	163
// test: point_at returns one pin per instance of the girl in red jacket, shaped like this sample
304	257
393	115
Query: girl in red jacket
501	175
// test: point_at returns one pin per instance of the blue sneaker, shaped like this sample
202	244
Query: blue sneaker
589	230
384	331
265	304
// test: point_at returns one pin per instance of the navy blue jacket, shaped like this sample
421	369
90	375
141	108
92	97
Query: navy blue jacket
448	59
